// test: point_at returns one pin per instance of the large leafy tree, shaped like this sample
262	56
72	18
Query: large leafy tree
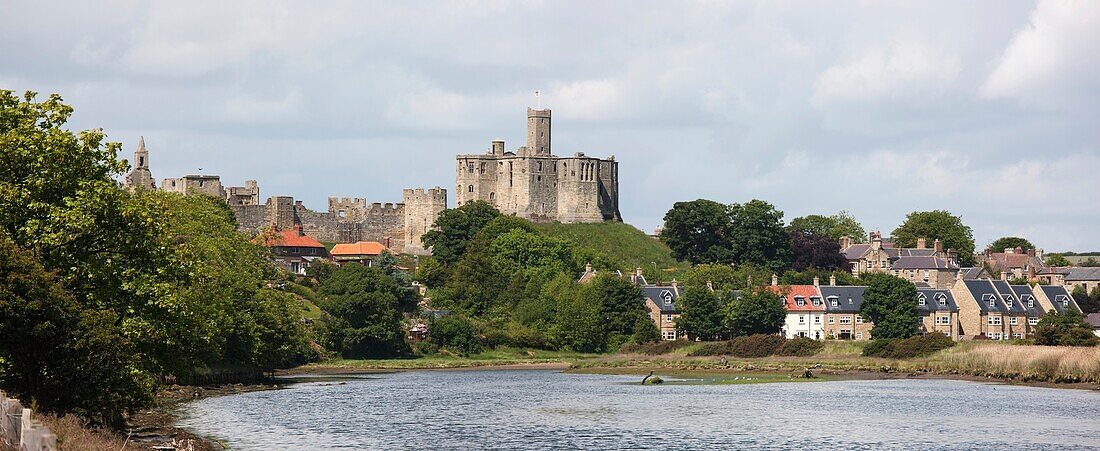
1057	260
701	314
621	306
756	311
698	231
833	226
475	283
363	308
720	277
891	304
810	250
455	229
1064	329
758	235
1009	242
519	250
937	224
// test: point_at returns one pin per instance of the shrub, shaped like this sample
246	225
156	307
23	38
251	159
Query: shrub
918	346
876	348
456	333
658	348
749	346
801	347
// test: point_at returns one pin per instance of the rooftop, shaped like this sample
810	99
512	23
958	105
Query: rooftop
359	248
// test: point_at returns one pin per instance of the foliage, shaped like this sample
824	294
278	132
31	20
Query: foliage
907	348
801	347
320	270
891	303
757	311
833	226
698	231
758	345
363	308
937	224
616	245
520	250
1064	329
758	235
700	314
455	333
455	228
721	277
59	355
1057	260
1009	242
621	307
430	272
810	250
475	283
1089	302
579	325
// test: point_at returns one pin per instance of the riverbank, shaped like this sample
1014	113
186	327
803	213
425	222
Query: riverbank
500	358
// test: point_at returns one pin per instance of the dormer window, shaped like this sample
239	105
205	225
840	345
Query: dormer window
849	301
992	300
1063	299
815	300
799	300
1008	300
942	298
1030	301
920	300
833	301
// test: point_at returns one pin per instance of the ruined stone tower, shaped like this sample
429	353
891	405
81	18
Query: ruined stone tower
535	184
140	177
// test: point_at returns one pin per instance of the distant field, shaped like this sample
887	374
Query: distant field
1076	259
623	245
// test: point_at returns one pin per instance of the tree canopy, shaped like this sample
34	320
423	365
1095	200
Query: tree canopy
810	250
1057	260
701	314
363	308
891	304
937	224
1009	242
1064	329
758	311
833	226
455	228
698	231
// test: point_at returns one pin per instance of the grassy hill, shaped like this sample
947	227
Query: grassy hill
623	245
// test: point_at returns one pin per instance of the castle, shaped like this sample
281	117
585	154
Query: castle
399	226
534	184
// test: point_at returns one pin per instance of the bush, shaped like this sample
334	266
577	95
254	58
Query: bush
749	346
657	348
456	333
918	346
801	347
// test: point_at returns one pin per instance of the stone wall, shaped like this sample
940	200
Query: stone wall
421	208
18	431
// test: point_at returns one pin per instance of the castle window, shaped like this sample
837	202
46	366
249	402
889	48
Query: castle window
540	166
492	196
470	188
141	161
342	213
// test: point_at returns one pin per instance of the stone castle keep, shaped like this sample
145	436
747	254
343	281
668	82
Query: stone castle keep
533	183
399	226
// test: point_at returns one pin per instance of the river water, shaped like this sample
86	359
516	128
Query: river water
554	410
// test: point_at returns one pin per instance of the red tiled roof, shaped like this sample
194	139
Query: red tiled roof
293	238
806	292
359	248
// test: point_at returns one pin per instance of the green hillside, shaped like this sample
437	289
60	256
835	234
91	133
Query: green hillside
623	245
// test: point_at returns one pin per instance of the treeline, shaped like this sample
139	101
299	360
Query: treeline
102	291
505	283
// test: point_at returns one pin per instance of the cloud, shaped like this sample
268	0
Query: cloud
588	99
904	72
1052	58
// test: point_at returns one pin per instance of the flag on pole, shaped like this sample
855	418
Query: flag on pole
538	99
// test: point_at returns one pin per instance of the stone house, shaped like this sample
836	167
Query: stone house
1094	320
880	256
1016	263
294	250
1056	297
805	311
939	312
996	310
365	253
1088	277
842	318
930	271
660	301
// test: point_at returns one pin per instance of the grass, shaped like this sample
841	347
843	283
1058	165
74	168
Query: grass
73	435
622	245
502	355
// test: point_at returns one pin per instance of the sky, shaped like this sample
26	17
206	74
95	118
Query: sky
990	110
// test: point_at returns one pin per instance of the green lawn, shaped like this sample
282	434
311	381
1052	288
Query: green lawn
621	244
502	355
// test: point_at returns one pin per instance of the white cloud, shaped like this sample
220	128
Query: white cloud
914	72
587	99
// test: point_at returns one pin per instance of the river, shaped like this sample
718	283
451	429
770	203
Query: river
555	410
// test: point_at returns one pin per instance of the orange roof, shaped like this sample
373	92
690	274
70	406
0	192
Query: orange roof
806	292
359	248
293	238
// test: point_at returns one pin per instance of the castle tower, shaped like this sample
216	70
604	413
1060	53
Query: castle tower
538	132
140	178
422	207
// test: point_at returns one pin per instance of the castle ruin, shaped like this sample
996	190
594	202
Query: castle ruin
398	226
532	183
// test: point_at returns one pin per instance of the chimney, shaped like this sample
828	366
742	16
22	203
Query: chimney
498	147
937	246
817	281
922	243
832	280
674	283
1008	250
845	241
775	280
710	285
587	268
298	229
1031	252
1039	253
953	255
876	240
1004	275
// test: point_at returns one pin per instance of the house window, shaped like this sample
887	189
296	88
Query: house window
816	300
992	300
1030	302
859	335
669	335
817	320
942	298
920	300
926	275
1017	335
801	319
993	335
1012	321
799	300
831	320
833	301
845	320
1033	321
859	319
1008	300
993	320
943	320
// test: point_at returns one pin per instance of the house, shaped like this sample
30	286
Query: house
1094	320
842	318
1088	277
993	309
939	312
880	256
805	311
1016	263
1057	298
294	250
660	301
363	252
935	272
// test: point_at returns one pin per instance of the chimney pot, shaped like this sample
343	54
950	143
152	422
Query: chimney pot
922	243
832	280
817	281
775	280
937	246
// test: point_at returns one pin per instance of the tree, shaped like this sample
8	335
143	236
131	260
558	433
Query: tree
430	272
758	235
891	304
701	314
843	278
455	228
620	306
834	226
519	250
456	333
579	323
1057	260
721	277
810	250
1064	329
363	307
475	282
758	311
937	224
1089	303
1009	242
698	232
58	355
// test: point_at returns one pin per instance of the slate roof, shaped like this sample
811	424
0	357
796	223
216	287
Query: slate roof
923	263
1094	319
849	298
1011	301
663	297
973	272
1001	261
983	291
932	299
856	251
1082	274
1024	294
1058	293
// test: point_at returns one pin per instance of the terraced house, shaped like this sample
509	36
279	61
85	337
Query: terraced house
805	311
939	312
933	266
842	318
996	310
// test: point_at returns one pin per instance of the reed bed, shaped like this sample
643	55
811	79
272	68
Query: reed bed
1021	362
